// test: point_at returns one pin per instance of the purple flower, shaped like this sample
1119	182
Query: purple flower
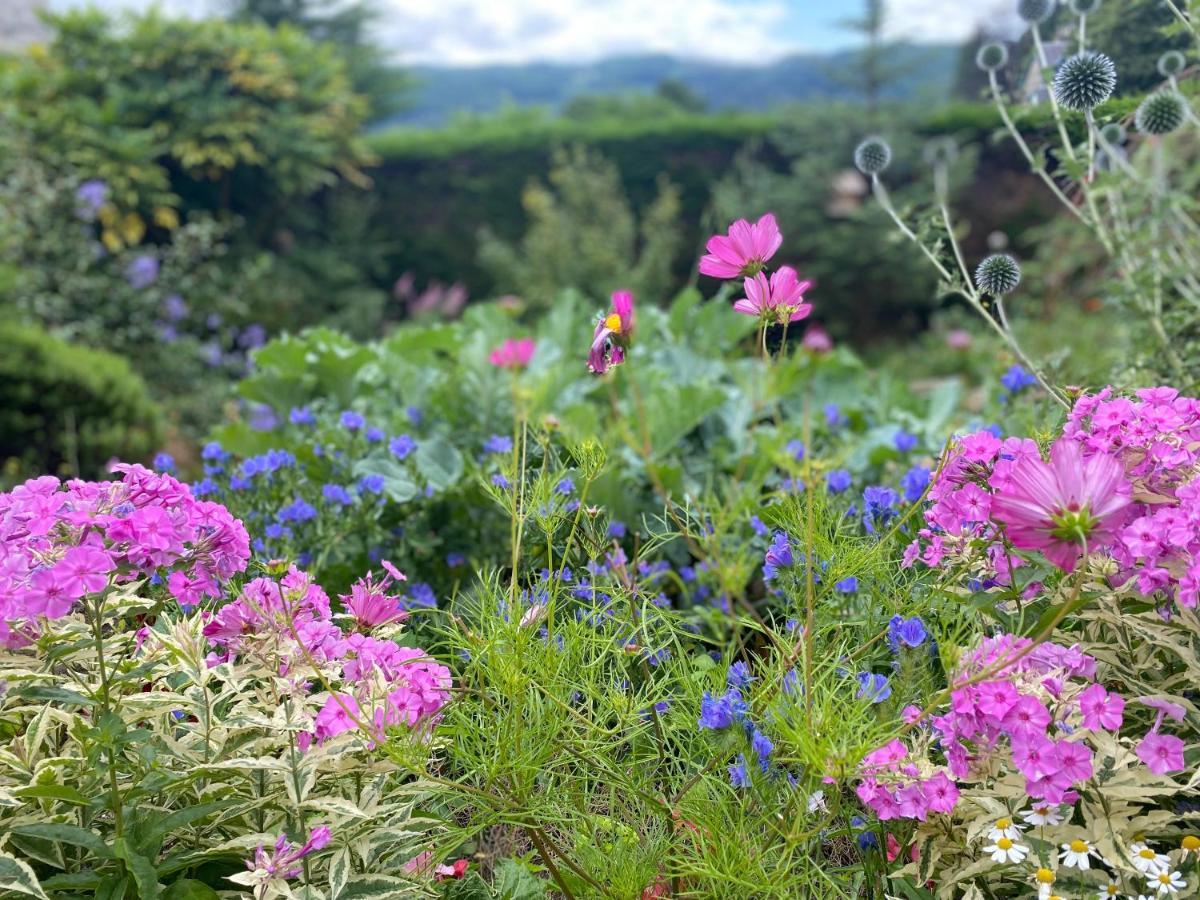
616	529
564	487
302	415
297	511
847	585
905	442
914	482
873	687
739	675
371	484
89	197
716	713
401	446
500	481
838	481
164	462
1016	379
795	450
906	632
414	415
498	443
778	556
834	417
762	747
335	493
252	336
738	776
374	435
759	528
262	417
352	421
142	272
174	308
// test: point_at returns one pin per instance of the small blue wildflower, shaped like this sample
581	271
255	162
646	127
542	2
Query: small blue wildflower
335	493
739	675
778	556
262	418
762	747
419	595
759	528
716	713
498	443
905	442
847	585
297	511
374	435
914	482
906	632
371	484
302	415
164	462
1016	379
838	481
616	529
352	421
795	450
873	686
500	481
879	503
205	488
564	487
214	452
454	560
414	415
401	446
275	531
833	416
142	272
738	776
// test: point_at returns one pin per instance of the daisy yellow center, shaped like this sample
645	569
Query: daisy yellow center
1164	878
1111	890
1044	876
1191	842
1147	853
1078	846
613	323
1004	823
1004	844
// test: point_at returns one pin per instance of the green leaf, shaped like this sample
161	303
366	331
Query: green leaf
50	694
514	881
52	792
439	462
189	889
16	876
154	836
145	876
376	887
66	834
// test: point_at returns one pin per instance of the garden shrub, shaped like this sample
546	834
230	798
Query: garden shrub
70	409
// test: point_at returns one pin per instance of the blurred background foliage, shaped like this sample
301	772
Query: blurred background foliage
176	192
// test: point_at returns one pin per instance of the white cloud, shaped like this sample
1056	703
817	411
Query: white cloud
467	32
948	20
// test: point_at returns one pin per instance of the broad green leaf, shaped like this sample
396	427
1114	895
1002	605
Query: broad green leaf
398	482
145	876
439	462
52	792
376	887
189	889
16	876
66	834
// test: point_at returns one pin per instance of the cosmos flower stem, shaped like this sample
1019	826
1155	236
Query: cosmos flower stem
1044	62
1034	166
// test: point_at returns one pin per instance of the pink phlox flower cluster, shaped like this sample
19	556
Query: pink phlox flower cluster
369	602
62	542
1028	714
1162	753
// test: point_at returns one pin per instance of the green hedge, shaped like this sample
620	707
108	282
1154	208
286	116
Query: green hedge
67	409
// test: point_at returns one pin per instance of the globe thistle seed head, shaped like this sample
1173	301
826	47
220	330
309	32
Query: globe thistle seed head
941	152
998	275
1113	133
1084	81
1161	113
872	156
1035	11
1084	7
992	56
1171	63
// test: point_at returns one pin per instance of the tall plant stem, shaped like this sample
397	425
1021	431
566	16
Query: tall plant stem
1040	49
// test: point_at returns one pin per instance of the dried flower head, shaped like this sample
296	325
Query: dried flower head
873	156
997	275
1161	113
1035	11
1084	81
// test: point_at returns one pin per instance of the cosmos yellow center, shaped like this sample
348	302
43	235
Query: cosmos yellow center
613	323
1191	842
1044	876
1004	844
1079	846
1147	853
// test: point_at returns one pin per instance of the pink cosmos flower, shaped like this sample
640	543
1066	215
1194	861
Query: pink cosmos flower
612	334
817	339
744	250
1059	506
1162	753
779	300
513	354
1101	709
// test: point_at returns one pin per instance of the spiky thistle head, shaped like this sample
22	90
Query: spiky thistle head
1171	63
941	152
872	156
1113	133
1084	7
992	56
1035	11
998	275
1084	81
1161	113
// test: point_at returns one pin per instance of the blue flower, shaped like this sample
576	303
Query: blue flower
454	560
905	442
759	528
213	452
89	197
401	446
778	556
275	531
833	416
914	482
205	488
371	484
352	421
564	487
335	493
738	776
500	481
838	480
795	449
262	417
906	632
1016	379
873	686
142	272
847	585
716	713
419	595
414	415
498	443
879	505
738	675
762	747
616	529
297	511
164	462
375	435
302	415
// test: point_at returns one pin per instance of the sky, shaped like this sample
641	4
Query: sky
475	32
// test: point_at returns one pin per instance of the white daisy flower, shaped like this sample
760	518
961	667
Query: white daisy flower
1044	879
1146	860
1006	850
1048	814
1108	892
1166	883
1076	855
1004	828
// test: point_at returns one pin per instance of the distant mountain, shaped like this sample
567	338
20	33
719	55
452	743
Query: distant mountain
441	91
